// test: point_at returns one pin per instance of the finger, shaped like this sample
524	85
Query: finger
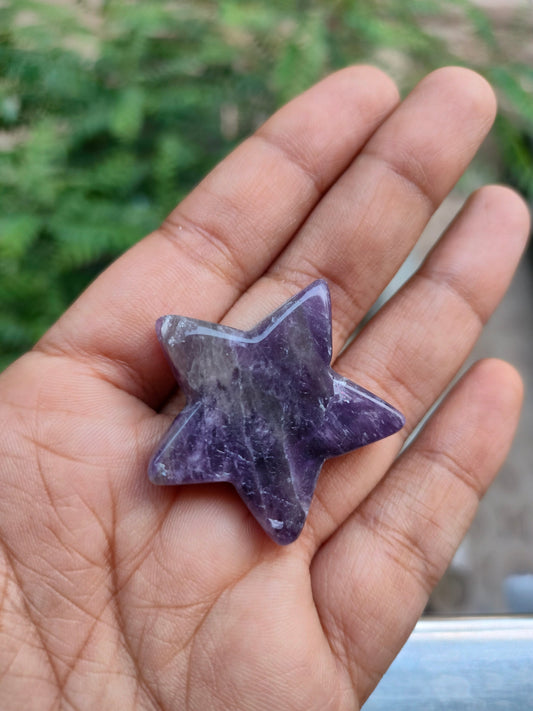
223	236
415	345
382	564
365	226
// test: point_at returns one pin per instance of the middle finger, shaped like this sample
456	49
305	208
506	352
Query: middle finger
367	223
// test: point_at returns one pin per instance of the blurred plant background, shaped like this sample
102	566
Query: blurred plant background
111	110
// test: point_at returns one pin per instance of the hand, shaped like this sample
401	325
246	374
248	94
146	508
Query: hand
117	594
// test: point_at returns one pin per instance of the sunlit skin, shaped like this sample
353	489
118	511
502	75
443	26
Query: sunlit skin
117	594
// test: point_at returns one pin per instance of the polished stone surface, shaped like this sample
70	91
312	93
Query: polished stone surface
264	409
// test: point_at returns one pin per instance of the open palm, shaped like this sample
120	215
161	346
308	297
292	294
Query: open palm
115	593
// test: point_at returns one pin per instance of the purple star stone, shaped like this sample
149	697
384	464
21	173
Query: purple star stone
264	409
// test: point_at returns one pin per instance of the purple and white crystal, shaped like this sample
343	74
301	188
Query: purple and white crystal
264	409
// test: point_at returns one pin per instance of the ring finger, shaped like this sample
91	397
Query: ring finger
415	345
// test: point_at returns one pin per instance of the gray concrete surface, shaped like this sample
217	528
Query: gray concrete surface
500	542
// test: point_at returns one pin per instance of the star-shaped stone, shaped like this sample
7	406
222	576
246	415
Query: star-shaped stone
264	409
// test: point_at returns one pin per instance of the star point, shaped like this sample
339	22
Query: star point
264	409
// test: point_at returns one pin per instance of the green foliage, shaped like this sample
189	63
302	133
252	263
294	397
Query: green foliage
111	111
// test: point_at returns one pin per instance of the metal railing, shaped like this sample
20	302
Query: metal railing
471	664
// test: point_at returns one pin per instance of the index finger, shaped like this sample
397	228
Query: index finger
224	235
